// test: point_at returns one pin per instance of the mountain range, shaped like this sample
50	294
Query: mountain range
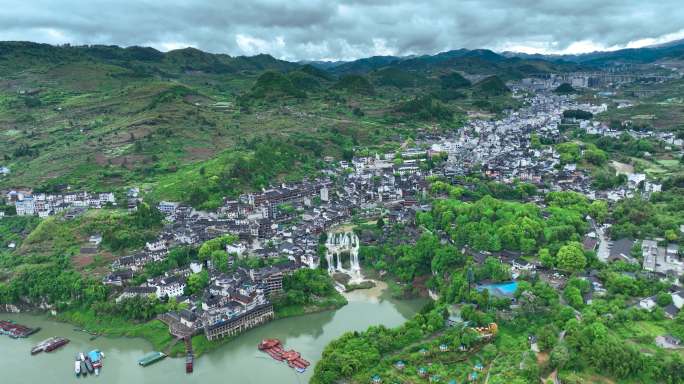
649	54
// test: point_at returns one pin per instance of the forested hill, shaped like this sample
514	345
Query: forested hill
189	125
672	50
478	61
141	61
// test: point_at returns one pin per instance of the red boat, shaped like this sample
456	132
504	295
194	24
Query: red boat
57	343
274	348
269	343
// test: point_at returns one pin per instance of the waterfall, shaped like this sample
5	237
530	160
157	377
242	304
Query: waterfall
338	243
354	253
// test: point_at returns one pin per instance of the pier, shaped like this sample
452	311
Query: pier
189	356
180	332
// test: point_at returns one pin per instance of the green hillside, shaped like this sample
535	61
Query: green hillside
355	84
491	86
454	80
187	125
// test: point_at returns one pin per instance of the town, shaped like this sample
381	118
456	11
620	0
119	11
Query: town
287	220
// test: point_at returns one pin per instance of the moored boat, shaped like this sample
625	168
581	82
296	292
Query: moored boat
89	365
77	367
40	347
269	344
56	343
95	357
151	358
274	348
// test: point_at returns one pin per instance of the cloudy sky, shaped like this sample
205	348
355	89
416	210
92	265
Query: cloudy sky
343	30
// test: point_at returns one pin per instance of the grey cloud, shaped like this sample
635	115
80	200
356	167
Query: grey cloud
328	29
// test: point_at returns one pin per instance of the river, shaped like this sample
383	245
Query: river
237	362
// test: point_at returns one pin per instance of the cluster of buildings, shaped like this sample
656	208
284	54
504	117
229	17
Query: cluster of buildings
663	259
504	149
230	304
610	78
44	205
671	310
287	220
601	129
284	221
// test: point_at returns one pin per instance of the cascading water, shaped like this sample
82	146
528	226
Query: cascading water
339	243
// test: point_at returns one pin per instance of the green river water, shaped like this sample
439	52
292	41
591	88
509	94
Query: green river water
237	362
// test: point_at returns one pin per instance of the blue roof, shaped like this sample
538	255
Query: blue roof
94	355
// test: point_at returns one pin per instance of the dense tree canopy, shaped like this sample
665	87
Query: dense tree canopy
304	285
571	257
577	114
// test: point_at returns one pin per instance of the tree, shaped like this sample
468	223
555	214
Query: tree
489	352
573	296
560	356
534	141
671	235
219	243
577	114
545	258
380	223
595	156
598	209
664	299
569	152
219	260
197	282
547	336
564	89
571	257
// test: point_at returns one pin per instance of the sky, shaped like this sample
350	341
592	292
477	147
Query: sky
346	30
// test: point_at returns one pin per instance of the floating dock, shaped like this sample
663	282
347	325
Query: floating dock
151	358
15	330
189	361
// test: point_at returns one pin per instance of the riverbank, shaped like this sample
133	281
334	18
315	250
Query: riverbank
157	333
154	331
345	280
366	284
331	303
396	289
307	334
